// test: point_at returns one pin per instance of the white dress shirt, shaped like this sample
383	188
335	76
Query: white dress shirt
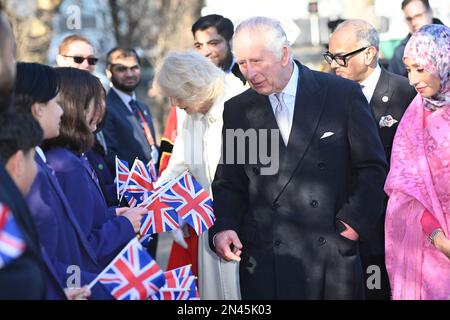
370	83
125	97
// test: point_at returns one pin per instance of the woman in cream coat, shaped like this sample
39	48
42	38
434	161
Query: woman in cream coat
198	87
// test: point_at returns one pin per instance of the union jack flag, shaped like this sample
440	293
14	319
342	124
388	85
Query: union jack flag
12	244
133	274
122	172
139	180
161	217
171	295
174	276
151	166
192	203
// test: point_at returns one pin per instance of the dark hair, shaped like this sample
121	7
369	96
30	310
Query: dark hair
119	52
425	3
18	132
78	89
223	25
35	83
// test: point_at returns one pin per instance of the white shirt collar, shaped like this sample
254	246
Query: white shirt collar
289	92
370	83
125	97
41	154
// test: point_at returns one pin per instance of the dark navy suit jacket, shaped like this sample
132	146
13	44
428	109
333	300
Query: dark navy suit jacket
123	133
106	232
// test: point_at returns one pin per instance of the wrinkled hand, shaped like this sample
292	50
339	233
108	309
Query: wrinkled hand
77	293
228	246
442	243
134	215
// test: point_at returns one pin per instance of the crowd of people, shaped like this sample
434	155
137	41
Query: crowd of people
358	206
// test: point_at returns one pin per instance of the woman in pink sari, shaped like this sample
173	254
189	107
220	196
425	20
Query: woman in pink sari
418	184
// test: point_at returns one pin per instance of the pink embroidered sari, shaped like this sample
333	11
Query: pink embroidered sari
419	179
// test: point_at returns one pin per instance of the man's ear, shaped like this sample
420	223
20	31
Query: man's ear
371	55
108	73
285	58
59	60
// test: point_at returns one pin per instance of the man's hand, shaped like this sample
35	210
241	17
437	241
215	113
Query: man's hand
349	232
228	246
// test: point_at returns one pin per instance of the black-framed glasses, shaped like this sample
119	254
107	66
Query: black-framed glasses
341	59
79	60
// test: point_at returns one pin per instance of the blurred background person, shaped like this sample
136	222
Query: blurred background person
418	211
129	130
353	54
24	277
197	149
417	14
78	52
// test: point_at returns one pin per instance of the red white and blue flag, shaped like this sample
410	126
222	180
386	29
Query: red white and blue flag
122	172
139	179
161	217
151	166
180	285
12	244
192	203
132	275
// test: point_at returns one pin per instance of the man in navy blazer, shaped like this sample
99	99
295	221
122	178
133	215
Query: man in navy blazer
293	222
388	95
128	129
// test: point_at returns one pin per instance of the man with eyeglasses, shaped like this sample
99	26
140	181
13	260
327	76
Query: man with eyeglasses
353	54
417	14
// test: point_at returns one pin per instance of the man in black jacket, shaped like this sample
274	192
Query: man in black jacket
353	54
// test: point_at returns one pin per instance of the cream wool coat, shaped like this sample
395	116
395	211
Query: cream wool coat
198	149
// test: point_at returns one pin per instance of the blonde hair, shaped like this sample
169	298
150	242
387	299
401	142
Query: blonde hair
190	77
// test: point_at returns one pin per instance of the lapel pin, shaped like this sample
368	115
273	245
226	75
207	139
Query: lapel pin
385	99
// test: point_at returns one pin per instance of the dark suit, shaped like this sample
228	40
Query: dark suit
287	222
392	96
24	277
125	138
123	134
107	233
60	234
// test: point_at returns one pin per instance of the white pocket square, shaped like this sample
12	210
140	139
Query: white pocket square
326	135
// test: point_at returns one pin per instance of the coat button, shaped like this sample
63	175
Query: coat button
321	241
314	203
256	171
277	243
275	206
321	165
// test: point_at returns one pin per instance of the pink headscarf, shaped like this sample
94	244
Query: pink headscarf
430	48
419	179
